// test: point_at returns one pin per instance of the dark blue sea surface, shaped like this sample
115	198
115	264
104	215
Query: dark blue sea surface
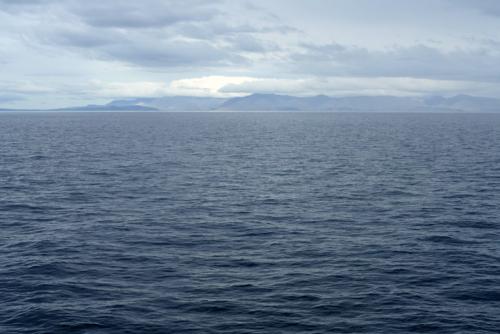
249	223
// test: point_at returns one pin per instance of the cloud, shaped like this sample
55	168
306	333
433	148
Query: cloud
345	86
143	14
208	86
18	94
25	6
487	7
18	3
230	86
160	34
129	89
24	87
19	90
170	53
10	98
60	50
202	86
14	3
417	61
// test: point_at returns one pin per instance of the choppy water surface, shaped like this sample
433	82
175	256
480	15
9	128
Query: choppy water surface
249	223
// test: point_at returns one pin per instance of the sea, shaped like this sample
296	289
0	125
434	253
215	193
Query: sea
277	222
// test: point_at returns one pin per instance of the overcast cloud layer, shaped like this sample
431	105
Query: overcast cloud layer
66	52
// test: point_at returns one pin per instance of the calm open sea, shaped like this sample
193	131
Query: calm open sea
249	223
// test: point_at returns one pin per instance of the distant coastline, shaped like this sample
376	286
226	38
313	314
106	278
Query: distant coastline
274	102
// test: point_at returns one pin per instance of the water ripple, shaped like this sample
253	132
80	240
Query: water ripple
249	223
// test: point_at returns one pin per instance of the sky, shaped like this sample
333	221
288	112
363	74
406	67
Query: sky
57	53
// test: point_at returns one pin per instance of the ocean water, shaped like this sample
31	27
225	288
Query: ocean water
249	223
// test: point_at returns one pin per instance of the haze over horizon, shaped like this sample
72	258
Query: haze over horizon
60	53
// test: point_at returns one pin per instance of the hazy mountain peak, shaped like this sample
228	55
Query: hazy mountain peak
276	102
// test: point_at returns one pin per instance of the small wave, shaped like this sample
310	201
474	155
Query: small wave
442	239
38	157
27	207
477	295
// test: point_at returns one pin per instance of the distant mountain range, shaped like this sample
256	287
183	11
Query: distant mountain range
462	103
273	102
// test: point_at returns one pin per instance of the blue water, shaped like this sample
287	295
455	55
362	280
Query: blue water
249	223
